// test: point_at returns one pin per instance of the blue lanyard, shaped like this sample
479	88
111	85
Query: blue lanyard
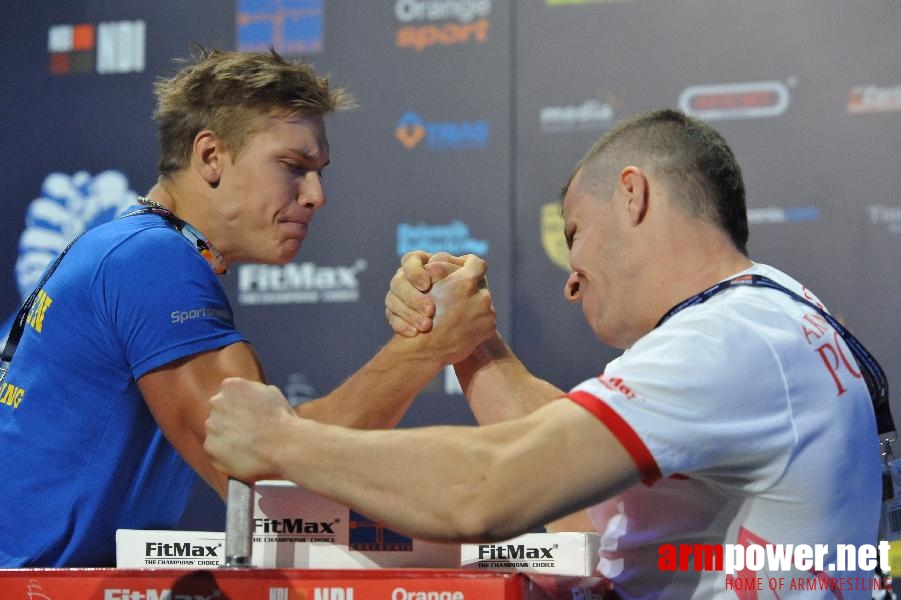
206	249
872	372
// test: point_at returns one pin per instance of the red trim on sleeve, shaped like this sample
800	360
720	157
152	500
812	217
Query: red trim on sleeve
618	426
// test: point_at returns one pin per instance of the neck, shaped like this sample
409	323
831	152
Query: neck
160	196
694	272
171	193
685	265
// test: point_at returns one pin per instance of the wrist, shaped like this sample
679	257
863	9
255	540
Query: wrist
421	350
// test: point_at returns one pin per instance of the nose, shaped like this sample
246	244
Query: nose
312	192
571	289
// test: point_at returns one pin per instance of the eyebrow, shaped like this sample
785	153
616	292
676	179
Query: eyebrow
309	157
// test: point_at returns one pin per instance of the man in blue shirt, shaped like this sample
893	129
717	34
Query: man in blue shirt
102	410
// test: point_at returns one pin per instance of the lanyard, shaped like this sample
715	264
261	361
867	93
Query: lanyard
872	372
188	231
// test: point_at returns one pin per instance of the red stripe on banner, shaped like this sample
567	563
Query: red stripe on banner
643	458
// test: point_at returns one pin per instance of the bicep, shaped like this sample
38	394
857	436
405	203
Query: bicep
178	393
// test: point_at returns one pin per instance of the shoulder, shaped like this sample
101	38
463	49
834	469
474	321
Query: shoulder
745	310
140	241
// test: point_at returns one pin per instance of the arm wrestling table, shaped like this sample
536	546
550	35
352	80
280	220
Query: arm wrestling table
238	581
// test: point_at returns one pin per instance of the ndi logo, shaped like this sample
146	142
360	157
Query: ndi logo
120	47
411	130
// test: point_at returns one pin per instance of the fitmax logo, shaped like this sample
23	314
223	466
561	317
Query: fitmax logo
411	130
153	594
514	552
299	283
293	526
159	550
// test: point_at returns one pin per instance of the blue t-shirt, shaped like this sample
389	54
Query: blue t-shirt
80	453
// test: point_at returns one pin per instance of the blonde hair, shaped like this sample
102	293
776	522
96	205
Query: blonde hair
228	92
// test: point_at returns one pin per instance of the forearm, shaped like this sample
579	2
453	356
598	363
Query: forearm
380	474
578	521
457	483
438	483
498	386
377	395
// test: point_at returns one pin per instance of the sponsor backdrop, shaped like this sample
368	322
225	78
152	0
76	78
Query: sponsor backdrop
472	113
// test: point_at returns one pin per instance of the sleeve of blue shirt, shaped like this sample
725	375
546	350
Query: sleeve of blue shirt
163	300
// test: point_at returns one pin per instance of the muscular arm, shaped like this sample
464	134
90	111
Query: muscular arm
379	394
499	388
496	384
443	483
376	396
177	395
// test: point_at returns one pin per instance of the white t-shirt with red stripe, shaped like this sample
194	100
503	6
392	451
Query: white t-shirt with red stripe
750	423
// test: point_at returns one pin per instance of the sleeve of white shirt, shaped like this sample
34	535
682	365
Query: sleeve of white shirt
702	396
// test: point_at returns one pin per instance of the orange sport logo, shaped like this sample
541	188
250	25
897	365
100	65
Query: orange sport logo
430	23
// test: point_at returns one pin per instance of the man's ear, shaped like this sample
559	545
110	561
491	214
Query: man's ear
634	184
207	156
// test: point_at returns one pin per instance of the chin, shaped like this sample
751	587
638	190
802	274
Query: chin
288	252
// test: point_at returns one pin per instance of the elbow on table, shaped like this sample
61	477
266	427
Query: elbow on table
485	519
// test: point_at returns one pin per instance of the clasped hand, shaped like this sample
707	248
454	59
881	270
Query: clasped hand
445	296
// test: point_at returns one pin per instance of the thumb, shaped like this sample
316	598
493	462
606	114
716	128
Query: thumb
439	270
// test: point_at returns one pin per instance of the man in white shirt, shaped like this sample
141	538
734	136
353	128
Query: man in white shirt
739	417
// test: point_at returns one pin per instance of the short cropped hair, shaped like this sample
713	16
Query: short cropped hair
229	92
694	158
